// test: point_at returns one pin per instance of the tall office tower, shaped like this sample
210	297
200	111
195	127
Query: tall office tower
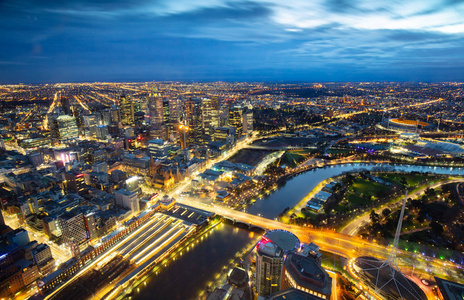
166	115
206	119
247	120
224	115
67	128
127	110
193	114
65	105
235	120
115	114
214	112
156	113
51	124
105	117
137	105
269	266
90	125
174	116
270	254
76	113
165	111
101	132
174	110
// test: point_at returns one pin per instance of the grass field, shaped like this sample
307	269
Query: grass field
293	158
411	180
360	194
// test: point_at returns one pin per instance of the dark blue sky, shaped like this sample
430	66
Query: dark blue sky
275	40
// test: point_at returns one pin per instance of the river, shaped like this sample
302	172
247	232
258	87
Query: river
189	274
299	186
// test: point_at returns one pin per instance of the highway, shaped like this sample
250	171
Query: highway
334	242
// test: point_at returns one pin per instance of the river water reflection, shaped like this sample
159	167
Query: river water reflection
299	186
189	274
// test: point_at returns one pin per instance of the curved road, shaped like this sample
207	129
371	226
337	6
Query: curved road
335	242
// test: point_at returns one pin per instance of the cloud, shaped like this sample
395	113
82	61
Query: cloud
231	36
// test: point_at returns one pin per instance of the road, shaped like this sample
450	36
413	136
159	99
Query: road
356	224
334	242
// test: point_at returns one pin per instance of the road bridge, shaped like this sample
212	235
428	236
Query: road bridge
334	242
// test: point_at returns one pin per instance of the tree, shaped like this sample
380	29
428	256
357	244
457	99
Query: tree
386	212
374	216
430	192
403	181
436	228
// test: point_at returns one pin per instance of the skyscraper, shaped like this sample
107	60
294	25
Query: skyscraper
269	263
127	110
156	113
206	119
235	120
247	120
65	105
193	115
271	251
214	112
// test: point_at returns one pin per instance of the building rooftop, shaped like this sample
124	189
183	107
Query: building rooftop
291	294
287	241
125	192
156	141
307	272
450	290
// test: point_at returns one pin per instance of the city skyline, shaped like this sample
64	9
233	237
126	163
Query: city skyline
231	41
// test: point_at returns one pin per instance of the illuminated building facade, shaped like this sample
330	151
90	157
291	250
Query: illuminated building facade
74	182
156	116
271	252
74	231
158	149
127	110
306	274
127	199
235	119
67	128
269	265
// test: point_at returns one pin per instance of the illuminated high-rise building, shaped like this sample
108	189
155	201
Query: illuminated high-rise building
65	105
194	120
156	115
247	120
67	128
214	112
206	119
115	114
158	149
74	231
235	120
269	266
127	110
270	255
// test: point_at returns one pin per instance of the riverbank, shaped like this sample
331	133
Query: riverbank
297	208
